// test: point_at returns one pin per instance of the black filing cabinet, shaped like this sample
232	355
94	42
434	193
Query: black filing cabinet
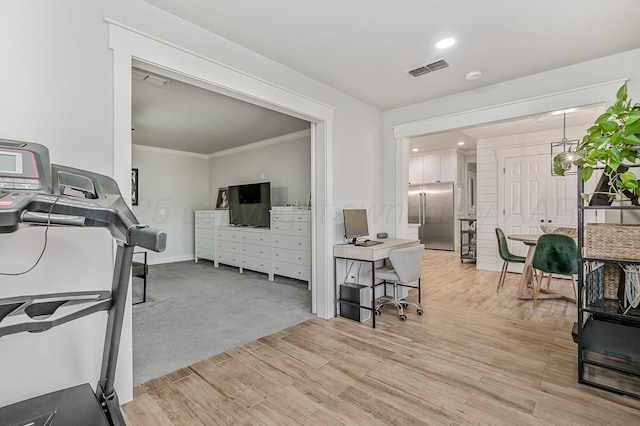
351	297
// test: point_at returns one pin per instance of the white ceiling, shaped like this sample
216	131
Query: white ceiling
365	47
183	117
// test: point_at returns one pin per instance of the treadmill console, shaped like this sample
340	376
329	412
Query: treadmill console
23	168
34	191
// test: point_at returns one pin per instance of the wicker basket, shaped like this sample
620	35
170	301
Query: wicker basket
613	241
613	279
603	284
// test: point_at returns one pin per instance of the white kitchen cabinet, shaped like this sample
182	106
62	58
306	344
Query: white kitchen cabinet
435	167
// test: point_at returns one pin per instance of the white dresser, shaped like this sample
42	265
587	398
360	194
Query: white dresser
245	248
282	250
290	243
205	234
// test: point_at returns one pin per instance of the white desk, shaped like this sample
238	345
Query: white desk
366	254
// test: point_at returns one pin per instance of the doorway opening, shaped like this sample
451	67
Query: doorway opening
129	45
490	193
188	143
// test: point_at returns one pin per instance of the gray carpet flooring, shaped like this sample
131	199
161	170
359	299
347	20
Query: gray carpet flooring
194	311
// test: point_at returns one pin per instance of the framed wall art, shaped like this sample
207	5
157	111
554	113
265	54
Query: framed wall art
222	201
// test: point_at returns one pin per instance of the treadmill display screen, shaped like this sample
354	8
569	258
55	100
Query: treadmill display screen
10	162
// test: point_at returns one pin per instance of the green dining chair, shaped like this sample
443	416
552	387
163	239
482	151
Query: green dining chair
555	254
506	256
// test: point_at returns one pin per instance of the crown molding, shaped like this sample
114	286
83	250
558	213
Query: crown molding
262	144
146	148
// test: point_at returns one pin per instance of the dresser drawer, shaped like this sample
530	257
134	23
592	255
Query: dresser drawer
229	247
290	217
205	233
232	259
204	222
300	272
255	250
259	238
255	264
290	228
205	243
298	257
293	242
204	253
205	214
227	235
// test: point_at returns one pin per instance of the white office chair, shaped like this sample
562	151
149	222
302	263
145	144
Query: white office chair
403	270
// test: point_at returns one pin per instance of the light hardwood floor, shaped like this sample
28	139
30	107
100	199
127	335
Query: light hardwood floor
475	357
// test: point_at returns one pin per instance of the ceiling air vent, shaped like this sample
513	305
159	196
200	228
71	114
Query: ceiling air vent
425	69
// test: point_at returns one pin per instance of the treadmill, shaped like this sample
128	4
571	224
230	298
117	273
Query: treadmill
34	192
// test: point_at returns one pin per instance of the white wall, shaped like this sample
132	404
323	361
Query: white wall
285	162
59	91
171	185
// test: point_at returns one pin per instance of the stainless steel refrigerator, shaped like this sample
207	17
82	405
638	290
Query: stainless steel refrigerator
432	207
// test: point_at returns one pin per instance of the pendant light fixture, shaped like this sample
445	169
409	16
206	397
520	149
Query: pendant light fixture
566	148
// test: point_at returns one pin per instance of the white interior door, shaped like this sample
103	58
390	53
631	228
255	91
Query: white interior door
525	198
562	200
534	197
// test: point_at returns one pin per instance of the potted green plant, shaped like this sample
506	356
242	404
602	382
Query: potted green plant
613	142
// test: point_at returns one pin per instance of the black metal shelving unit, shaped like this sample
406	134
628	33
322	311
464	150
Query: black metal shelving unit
607	334
467	239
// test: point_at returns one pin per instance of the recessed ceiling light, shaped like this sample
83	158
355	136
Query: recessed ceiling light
445	43
460	143
473	75
415	150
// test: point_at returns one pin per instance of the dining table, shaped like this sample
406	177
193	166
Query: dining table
526	285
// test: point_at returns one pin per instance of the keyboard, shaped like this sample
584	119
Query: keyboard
368	243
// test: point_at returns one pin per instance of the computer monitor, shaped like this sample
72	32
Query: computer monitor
355	224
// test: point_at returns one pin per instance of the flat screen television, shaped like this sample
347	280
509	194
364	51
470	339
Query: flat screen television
249	204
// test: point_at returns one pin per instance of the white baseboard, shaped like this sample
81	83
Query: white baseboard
161	260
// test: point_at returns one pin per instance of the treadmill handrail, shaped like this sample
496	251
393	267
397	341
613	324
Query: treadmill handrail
21	313
67	211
